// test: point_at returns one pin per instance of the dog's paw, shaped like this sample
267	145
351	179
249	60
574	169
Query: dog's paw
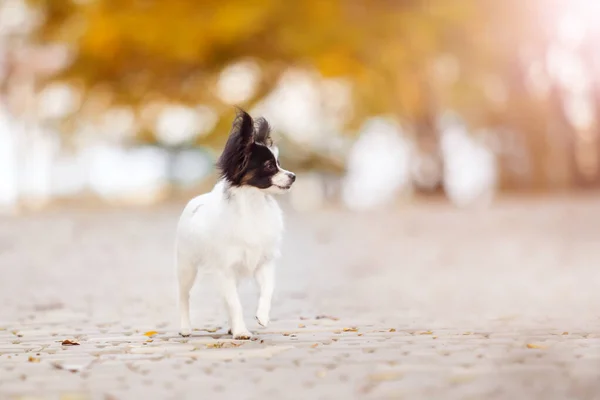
243	335
185	333
263	319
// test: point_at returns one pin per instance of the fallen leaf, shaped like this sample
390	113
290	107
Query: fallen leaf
385	376
301	326
286	334
535	346
565	333
351	329
68	342
70	368
426	333
303	318
467	333
314	345
327	317
150	333
217	345
434	337
32	359
392	330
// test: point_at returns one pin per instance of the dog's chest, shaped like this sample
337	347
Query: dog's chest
255	230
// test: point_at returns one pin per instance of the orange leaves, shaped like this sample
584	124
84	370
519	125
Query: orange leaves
336	63
177	48
535	346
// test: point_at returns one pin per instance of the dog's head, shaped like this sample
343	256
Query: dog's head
250	157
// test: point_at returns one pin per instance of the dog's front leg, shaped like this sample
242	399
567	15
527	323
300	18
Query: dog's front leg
187	276
265	277
228	286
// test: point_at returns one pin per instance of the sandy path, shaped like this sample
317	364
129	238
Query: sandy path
426	302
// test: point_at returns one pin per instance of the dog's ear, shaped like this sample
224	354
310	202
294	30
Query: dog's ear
263	132
236	154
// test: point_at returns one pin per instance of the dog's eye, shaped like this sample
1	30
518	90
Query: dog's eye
270	166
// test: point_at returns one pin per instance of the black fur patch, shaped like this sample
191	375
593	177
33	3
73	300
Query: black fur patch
246	159
263	132
261	168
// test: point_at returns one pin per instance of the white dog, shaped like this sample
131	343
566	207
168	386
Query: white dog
235	230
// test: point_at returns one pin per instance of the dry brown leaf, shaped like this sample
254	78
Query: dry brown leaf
70	368
353	329
392	330
565	333
301	326
327	317
217	345
467	333
426	333
286	334
150	333
434	337
68	342
535	346
314	346
32	359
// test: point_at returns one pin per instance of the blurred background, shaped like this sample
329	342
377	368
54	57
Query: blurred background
373	102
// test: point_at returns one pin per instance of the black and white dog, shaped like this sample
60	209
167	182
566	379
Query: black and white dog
235	230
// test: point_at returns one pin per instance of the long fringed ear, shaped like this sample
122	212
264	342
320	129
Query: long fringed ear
263	132
236	154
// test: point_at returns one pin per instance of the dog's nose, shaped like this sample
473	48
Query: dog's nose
293	177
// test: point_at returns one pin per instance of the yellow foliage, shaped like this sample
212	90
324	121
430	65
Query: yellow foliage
177	48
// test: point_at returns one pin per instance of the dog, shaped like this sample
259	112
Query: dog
235	231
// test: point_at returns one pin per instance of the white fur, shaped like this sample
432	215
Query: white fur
231	233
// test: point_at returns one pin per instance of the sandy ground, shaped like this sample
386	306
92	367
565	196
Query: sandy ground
423	302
